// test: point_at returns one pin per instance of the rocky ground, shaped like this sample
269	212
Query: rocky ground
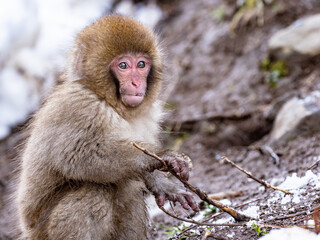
241	83
227	103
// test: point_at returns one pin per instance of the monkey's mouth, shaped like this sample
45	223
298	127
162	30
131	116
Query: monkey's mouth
132	99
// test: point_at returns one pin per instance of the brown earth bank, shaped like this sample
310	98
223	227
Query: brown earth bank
223	106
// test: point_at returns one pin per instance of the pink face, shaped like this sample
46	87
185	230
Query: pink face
132	71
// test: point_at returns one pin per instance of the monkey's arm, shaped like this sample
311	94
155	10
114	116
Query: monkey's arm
165	189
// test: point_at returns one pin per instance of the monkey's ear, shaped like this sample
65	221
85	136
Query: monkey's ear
76	70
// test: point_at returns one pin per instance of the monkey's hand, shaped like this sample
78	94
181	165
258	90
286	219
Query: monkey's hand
183	197
165	189
180	163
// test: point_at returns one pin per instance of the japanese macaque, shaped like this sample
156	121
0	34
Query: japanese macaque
81	177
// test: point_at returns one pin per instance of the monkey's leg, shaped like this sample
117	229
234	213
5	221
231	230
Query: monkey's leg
130	211
83	214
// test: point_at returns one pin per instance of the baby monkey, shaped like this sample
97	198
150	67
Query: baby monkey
81	177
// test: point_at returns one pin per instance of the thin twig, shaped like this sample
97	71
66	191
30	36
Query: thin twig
316	219
302	217
202	195
314	165
200	223
272	154
206	234
253	177
223	195
286	216
309	214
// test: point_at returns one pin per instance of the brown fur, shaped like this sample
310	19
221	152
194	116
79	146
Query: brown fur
81	177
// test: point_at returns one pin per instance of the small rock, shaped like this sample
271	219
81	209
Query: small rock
299	41
296	112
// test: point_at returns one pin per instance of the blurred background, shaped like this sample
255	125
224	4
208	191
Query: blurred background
242	79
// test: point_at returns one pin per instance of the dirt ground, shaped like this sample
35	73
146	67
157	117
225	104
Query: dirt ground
220	105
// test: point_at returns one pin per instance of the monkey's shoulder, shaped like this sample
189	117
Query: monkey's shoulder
71	107
67	103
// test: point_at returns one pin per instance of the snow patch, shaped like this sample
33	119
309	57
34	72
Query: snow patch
294	233
285	199
226	202
231	235
296	199
252	212
149	14
294	182
224	220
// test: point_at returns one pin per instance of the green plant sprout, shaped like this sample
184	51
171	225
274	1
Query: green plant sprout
218	14
274	71
173	231
210	209
249	10
258	230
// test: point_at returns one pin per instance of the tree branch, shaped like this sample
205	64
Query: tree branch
253	177
201	194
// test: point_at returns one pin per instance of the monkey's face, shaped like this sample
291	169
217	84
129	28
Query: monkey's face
131	72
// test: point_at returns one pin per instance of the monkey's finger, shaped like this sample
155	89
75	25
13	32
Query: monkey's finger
160	199
192	203
174	164
183	168
183	202
184	174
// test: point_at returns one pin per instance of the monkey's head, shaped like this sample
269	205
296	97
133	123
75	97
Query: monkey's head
118	59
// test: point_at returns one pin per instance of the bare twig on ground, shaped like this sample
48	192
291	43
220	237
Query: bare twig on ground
316	219
254	178
202	195
203	224
215	216
286	216
314	165
315	214
305	216
223	195
272	154
206	234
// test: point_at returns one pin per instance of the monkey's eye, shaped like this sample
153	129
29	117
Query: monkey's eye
122	65
141	64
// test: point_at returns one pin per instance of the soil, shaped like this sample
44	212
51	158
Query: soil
220	105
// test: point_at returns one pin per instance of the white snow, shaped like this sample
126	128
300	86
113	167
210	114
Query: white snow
252	211
231	235
149	14
294	233
294	182
296	186
226	202
296	199
224	220
285	199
